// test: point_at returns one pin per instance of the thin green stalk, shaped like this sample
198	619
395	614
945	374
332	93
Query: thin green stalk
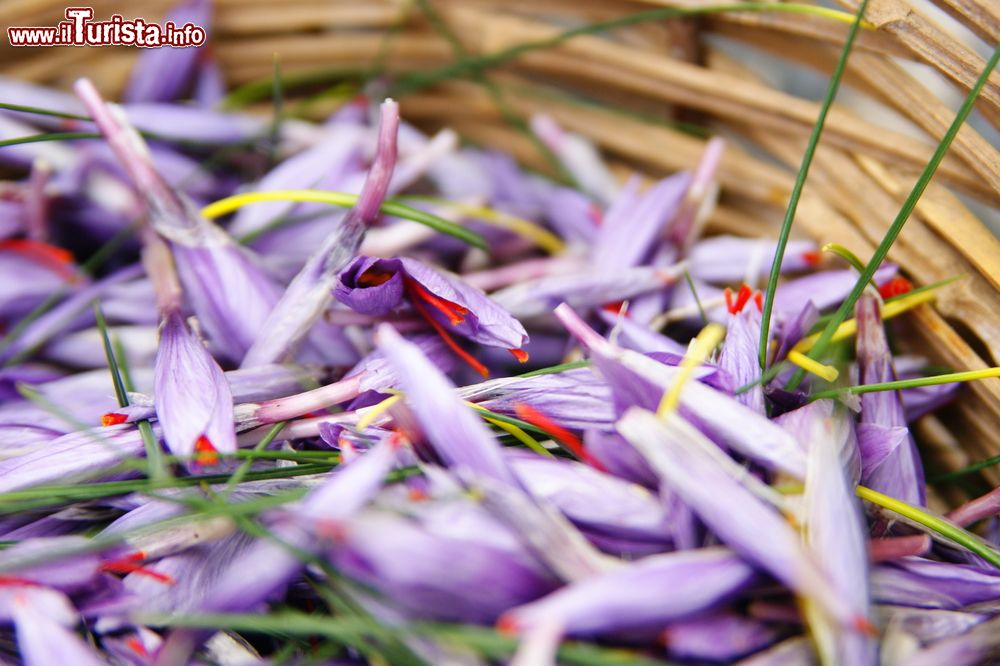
899	384
42	112
116	375
247	464
483	640
897	225
697	300
800	181
49	136
945	528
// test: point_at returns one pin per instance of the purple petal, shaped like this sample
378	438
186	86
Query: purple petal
456	434
162	74
683	459
193	402
900	473
643	595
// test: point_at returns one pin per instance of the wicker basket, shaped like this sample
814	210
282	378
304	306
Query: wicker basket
636	78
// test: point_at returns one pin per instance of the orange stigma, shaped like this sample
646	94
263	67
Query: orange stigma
418	299
373	278
454	312
132	564
742	297
113	418
812	257
897	286
205	453
569	440
519	354
55	258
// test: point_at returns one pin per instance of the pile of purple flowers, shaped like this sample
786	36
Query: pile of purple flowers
310	434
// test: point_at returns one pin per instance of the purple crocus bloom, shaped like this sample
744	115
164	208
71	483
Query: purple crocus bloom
739	353
890	462
643	595
979	645
162	74
276	563
76	454
692	466
923	583
43	619
193	402
416	569
718	637
633	222
592	500
309	292
728	259
835	528
640	380
229	292
377	286
456	435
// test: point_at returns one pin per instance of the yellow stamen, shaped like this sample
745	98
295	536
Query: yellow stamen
827	372
376	411
229	204
542	237
707	340
518	433
889	310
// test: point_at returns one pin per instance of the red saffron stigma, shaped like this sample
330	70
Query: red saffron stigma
528	413
595	213
136	646
55	258
14	580
865	626
113	418
373	278
205	453
128	565
811	257
507	625
519	354
613	308
453	311
758	299
450	341
897	286
742	297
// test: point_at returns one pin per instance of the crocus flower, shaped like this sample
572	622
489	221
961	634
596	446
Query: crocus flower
890	462
44	619
456	435
923	583
591	499
835	527
193	402
415	569
979	645
718	637
685	461
578	156
643	595
641	381
377	286
216	273
632	224
739	352
309	292
728	259
161	75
